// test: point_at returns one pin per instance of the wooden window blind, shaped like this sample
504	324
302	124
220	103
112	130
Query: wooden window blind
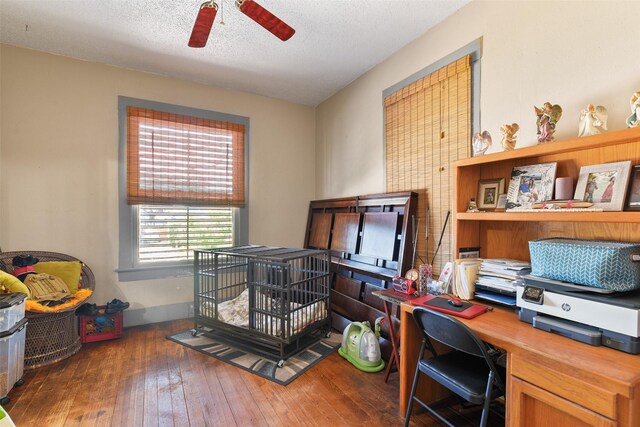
183	160
427	127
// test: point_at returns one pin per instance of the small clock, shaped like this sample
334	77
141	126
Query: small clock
412	274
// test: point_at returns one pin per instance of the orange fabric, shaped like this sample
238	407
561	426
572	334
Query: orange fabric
78	297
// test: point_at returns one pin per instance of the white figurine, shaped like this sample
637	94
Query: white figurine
634	118
593	120
481	142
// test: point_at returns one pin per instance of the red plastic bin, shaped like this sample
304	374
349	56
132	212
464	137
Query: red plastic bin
100	327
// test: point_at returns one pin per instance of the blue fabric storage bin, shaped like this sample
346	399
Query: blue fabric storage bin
600	264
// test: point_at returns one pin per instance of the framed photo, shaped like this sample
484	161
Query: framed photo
633	198
530	184
604	185
489	191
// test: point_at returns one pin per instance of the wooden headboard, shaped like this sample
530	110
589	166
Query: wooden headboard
369	238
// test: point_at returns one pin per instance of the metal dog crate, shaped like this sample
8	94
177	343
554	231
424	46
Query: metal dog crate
272	300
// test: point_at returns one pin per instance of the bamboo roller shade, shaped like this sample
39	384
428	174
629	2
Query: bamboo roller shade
183	160
427	127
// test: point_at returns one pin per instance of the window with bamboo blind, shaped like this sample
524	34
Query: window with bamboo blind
179	159
182	185
427	127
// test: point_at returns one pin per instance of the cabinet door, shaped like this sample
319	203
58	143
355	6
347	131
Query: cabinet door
531	406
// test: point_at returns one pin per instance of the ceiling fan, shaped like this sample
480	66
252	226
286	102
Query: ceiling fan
208	10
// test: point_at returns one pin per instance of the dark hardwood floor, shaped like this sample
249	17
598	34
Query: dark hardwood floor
144	379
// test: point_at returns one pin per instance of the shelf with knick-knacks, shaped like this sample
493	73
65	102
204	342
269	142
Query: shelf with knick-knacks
506	234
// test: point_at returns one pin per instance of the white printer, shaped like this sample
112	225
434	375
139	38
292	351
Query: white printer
590	315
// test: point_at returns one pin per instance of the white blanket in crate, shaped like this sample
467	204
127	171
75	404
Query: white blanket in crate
236	312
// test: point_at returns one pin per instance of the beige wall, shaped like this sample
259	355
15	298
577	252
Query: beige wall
59	163
571	53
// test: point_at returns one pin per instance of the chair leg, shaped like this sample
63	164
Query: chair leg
414	386
487	400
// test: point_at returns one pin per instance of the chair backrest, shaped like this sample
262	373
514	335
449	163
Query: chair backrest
87	279
451	332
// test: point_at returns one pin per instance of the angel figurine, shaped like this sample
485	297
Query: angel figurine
634	118
509	135
548	116
481	142
593	120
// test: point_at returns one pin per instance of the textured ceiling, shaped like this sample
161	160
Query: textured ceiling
335	41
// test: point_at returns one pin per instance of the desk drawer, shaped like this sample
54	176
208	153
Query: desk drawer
569	387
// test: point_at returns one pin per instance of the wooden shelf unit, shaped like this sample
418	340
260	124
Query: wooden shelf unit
550	379
506	234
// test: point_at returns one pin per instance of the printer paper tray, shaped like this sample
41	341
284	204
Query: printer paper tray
568	329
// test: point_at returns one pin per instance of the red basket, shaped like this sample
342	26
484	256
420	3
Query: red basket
100	327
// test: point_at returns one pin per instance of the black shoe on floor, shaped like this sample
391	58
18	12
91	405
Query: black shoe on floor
116	305
87	309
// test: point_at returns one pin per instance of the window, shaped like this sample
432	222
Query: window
182	186
428	122
169	233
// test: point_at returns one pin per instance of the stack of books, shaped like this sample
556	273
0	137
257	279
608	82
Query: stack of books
498	278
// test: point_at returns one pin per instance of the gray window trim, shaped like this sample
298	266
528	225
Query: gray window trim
127	268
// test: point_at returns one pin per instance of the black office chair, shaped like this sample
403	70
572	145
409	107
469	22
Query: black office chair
469	371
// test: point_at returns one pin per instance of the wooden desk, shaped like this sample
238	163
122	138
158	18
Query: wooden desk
551	380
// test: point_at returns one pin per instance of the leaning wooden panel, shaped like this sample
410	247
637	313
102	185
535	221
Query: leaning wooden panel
345	232
379	232
320	232
347	286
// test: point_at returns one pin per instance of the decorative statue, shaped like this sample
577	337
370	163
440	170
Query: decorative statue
481	142
634	118
509	135
593	120
548	116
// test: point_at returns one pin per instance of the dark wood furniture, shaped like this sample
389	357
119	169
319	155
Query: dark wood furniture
369	239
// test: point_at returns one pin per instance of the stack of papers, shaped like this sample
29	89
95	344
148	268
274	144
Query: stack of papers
497	280
466	274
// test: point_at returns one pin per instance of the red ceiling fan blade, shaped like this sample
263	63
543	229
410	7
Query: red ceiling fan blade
204	22
268	20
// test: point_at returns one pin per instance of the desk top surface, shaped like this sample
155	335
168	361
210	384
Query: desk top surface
502	329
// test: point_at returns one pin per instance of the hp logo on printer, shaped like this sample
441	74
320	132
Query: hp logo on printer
566	307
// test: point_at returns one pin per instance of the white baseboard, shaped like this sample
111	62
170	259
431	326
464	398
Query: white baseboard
162	313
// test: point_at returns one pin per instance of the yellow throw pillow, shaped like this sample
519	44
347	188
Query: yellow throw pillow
12	283
69	271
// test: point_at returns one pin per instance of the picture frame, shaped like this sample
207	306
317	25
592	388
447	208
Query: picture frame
633	194
604	185
489	191
530	184
502	202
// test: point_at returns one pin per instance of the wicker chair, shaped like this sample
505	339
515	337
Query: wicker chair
51	337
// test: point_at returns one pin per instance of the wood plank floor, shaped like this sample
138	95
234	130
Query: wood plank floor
144	379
